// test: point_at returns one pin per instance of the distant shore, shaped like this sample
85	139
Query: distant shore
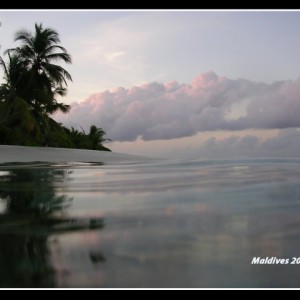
21	154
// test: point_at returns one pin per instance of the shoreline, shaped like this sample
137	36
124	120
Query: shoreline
23	154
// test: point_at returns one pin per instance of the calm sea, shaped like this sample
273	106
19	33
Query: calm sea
164	224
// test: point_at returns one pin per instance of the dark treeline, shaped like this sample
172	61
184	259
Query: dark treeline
33	83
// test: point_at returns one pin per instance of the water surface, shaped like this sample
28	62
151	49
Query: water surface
165	224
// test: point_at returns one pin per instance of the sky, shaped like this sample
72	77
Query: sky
180	84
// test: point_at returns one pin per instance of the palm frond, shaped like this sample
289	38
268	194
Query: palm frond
65	57
24	36
3	65
57	73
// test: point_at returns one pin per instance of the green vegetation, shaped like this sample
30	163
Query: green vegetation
28	98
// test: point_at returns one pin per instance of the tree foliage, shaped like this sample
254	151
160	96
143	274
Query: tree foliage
34	80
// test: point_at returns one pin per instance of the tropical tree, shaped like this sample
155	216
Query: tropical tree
17	122
96	137
34	82
38	54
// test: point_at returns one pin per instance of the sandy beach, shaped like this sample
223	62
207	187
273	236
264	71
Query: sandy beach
20	154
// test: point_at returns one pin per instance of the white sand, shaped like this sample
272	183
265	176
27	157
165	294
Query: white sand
19	154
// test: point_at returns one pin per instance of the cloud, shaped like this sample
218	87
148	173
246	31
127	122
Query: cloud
157	111
285	144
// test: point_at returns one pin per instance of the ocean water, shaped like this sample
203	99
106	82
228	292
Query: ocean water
164	224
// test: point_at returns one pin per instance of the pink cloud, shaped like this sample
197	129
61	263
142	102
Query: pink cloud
157	111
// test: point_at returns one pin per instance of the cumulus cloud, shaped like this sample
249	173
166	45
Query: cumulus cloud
157	111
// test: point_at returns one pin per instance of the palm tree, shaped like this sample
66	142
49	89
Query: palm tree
33	82
14	72
38	54
17	122
96	137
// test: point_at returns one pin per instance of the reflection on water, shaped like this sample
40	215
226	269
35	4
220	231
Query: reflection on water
31	213
196	224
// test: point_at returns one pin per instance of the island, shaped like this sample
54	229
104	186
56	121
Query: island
34	83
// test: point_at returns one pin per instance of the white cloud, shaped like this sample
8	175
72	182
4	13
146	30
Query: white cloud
113	56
